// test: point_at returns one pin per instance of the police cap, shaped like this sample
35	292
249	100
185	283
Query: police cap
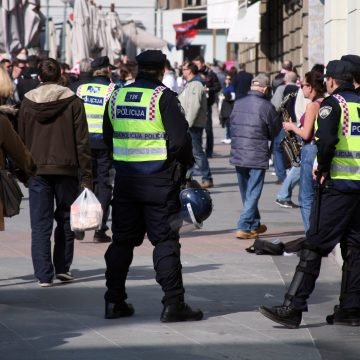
338	69
101	62
153	59
354	60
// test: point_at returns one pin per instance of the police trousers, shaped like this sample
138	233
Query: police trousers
338	222
145	204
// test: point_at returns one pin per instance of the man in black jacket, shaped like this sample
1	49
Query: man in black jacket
146	130
242	82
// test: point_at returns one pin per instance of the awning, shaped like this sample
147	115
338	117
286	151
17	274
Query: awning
246	28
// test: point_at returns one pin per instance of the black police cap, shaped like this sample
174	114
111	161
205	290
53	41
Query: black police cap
338	69
354	60
101	62
151	59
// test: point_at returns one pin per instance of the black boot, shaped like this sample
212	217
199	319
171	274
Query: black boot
347	317
101	237
117	310
284	315
180	312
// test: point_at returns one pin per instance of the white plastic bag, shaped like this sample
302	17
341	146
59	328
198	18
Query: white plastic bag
86	212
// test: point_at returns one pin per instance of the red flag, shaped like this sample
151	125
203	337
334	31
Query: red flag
185	32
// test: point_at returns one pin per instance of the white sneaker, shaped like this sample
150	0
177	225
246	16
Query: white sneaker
226	141
65	276
45	284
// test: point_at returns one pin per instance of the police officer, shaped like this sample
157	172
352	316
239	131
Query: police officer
95	95
335	219
147	130
354	60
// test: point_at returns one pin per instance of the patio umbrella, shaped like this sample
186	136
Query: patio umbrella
130	39
102	31
81	31
68	44
52	40
34	20
145	40
10	16
97	39
114	34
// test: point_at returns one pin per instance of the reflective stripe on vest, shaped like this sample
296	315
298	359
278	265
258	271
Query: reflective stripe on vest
139	133
95	97
346	162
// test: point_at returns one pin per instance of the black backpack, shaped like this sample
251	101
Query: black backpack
10	193
263	247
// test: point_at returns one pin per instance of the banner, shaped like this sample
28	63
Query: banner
185	32
221	14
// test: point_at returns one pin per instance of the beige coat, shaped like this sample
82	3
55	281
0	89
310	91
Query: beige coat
12	146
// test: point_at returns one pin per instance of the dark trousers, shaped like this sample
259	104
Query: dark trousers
338	223
209	133
102	163
42	192
145	204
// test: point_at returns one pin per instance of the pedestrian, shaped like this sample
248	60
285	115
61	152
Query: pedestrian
52	124
254	122
242	81
314	89
148	133
10	142
193	101
334	219
95	94
212	87
227	98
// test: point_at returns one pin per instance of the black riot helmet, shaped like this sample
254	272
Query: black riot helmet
196	205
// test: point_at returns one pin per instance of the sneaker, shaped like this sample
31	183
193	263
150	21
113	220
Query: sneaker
206	184
79	235
180	312
118	310
284	315
246	234
260	230
101	237
347	317
64	277
286	204
45	284
226	141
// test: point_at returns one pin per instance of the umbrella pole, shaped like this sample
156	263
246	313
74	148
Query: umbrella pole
46	45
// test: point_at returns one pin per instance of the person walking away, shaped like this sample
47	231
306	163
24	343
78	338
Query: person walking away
254	122
212	87
227	103
242	82
52	124
313	89
10	143
336	218
193	101
148	134
95	94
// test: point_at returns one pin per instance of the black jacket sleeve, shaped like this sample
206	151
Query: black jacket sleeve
108	130
327	133
176	128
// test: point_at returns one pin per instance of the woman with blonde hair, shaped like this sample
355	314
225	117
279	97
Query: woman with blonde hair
10	143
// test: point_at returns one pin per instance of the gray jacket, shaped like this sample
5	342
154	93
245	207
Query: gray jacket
193	101
254	122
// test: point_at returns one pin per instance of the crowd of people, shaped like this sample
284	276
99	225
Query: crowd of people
146	121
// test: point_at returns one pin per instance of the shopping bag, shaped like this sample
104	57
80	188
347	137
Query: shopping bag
86	212
10	193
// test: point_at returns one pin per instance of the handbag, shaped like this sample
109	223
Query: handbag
10	193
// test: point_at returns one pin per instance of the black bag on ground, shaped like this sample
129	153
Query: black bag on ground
263	247
294	245
10	193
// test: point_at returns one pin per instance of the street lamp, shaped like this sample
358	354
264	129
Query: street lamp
63	35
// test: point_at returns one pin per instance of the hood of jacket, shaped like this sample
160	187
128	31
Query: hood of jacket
48	100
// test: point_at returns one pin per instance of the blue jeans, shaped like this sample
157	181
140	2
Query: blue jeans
251	183
278	151
307	184
291	180
42	191
201	160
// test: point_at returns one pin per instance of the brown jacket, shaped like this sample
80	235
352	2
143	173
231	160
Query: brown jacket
12	146
52	123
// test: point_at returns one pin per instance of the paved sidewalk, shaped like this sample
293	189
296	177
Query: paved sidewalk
221	278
